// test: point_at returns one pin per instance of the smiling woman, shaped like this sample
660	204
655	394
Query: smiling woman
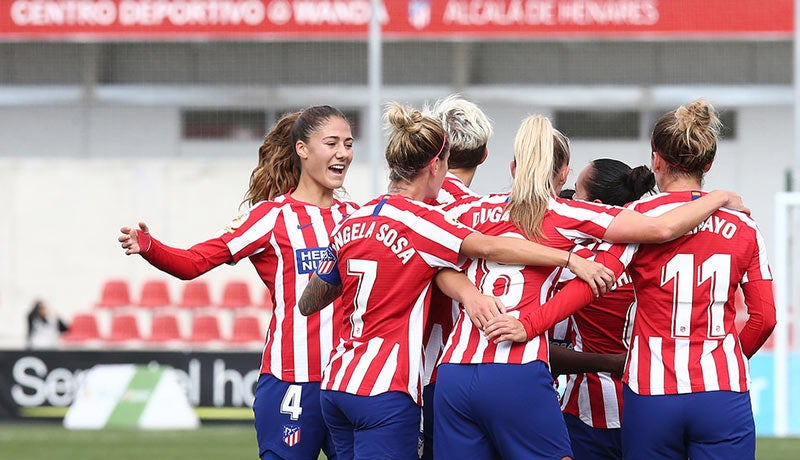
303	160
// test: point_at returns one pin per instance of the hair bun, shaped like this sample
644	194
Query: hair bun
404	118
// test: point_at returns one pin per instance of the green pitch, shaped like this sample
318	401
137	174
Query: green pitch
230	442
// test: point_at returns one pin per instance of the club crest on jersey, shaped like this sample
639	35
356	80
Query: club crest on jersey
309	258
291	434
237	222
327	264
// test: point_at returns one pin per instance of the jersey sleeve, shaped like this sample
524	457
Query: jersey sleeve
437	239
248	233
185	264
328	268
760	301
583	220
574	296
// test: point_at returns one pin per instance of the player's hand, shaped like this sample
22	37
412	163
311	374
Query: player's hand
735	202
130	239
599	277
505	327
482	308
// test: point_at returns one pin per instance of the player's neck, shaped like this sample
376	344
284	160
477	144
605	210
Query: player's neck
413	189
466	175
317	196
678	184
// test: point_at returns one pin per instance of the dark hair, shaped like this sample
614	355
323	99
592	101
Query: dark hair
278	168
686	138
566	193
614	182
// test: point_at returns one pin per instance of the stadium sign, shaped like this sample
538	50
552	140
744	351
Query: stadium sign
44	384
401	19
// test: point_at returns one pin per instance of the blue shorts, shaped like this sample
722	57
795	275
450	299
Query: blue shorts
489	411
288	420
384	426
701	426
427	420
589	443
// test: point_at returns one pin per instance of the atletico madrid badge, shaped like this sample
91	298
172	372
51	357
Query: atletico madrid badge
291	434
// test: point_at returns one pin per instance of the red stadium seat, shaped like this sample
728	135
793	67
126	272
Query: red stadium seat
82	329
164	328
155	294
115	293
246	328
195	295
205	328
266	302
236	294
124	328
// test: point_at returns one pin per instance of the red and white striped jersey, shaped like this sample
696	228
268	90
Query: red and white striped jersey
453	189
285	239
443	310
516	285
388	253
596	398
684	339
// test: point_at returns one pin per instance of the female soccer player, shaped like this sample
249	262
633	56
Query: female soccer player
302	162
472	416
686	376
386	256
468	130
592	401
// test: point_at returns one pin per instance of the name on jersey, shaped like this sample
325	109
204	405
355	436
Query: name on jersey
385	234
718	225
494	215
623	279
307	259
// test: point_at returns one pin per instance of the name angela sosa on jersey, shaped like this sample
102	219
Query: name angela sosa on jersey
718	225
385	234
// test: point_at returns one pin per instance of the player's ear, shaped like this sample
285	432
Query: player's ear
302	149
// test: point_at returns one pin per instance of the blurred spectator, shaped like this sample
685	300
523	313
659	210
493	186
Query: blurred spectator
44	328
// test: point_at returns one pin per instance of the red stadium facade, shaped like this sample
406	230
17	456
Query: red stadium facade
100	20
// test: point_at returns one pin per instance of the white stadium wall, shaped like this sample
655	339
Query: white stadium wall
62	201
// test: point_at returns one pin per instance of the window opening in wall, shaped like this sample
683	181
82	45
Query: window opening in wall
598	125
224	124
729	124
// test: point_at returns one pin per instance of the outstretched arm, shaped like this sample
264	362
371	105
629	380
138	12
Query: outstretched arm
318	295
564	361
185	264
523	252
535	321
632	227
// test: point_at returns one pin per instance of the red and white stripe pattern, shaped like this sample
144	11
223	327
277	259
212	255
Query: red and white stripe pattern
443	310
684	338
388	253
518	285
284	240
596	398
453	189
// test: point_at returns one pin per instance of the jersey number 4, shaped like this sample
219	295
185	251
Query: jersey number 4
716	270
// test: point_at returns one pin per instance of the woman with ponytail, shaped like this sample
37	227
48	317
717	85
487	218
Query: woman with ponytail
473	365
292	210
383	259
686	379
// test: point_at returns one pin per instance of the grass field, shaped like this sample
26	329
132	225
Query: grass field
229	442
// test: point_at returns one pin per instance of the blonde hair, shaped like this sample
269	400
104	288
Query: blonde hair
686	138
468	130
279	167
414	141
540	152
